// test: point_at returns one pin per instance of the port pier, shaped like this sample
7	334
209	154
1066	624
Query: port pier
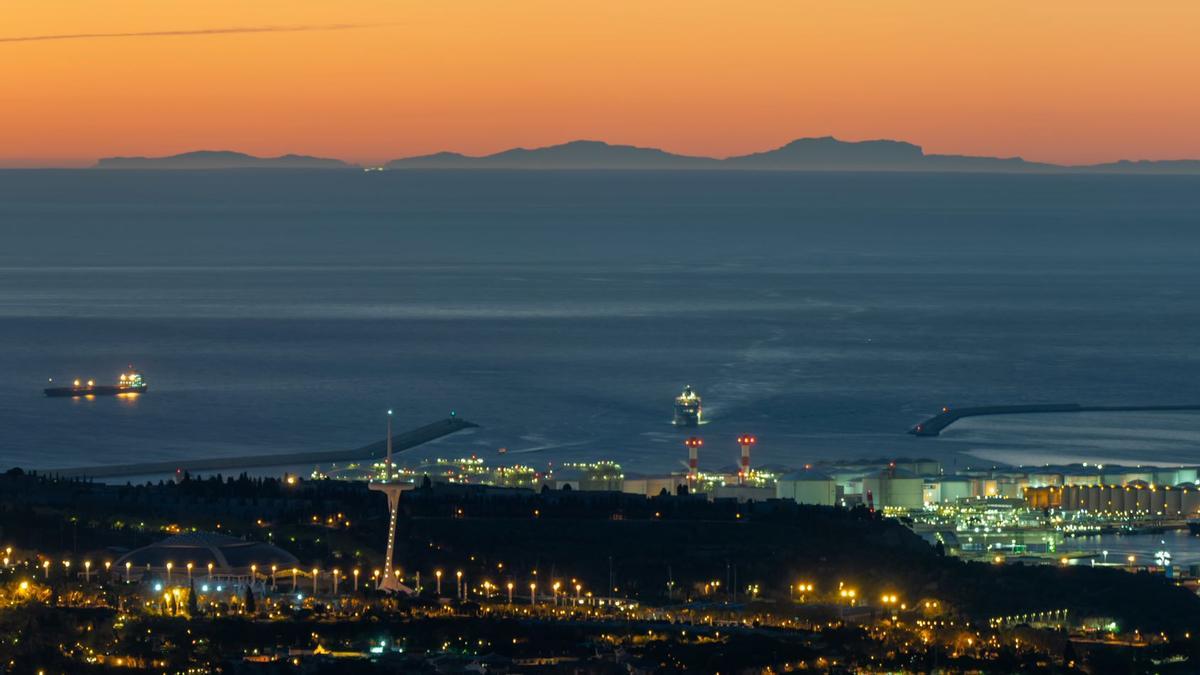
938	423
402	441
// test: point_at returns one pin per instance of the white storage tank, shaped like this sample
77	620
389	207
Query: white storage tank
895	488
807	487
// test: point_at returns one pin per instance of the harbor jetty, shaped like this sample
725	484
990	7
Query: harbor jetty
938	423
400	442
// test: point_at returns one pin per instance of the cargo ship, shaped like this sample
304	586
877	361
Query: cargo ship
129	383
688	412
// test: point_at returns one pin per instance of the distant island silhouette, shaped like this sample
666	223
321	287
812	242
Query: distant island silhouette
221	159
806	154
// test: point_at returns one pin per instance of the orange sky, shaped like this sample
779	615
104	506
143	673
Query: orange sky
1056	80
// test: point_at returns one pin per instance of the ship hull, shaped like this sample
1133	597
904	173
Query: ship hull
76	392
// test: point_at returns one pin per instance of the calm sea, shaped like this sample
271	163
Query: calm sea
826	313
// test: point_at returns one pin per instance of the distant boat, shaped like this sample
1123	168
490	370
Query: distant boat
129	383
688	411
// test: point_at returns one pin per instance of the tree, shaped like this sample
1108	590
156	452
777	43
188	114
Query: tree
250	607
193	609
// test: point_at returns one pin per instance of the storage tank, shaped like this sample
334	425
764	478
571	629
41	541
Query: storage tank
1081	497
955	488
1141	495
1158	500
1127	500
1070	494
808	487
1175	501
1187	474
1094	495
895	488
1106	504
1191	501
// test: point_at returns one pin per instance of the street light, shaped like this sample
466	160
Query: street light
533	593
555	587
356	570
314	581
578	590
189	569
510	587
274	568
458	583
46	568
336	573
210	568
87	571
169	566
438	574
294	571
128	566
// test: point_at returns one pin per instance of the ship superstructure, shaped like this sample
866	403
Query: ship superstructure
688	411
131	382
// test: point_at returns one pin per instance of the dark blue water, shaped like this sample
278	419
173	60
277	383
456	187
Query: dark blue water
562	311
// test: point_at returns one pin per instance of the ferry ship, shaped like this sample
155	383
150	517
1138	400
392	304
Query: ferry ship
129	383
688	412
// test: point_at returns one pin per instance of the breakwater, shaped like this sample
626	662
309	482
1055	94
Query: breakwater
400	442
938	423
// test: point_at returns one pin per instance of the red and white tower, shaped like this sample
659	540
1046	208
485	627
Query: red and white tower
693	444
746	441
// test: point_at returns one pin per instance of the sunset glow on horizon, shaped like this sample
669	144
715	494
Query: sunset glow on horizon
1071	81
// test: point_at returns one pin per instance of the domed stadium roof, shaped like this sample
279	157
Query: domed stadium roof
201	548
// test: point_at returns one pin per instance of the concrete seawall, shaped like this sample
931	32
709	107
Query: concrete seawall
376	450
936	424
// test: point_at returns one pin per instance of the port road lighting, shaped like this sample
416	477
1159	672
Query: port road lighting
169	566
314	572
578	590
336	573
87	571
107	566
533	593
355	580
274	569
510	589
555	587
458	583
128	567
438	574
189	569
46	568
294	571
